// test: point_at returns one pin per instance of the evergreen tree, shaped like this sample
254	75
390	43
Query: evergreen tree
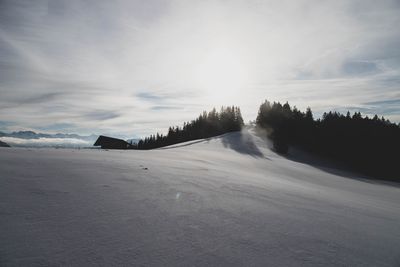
365	144
208	124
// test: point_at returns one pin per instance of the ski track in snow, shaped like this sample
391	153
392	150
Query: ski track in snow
224	201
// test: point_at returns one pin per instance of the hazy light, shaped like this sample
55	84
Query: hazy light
136	67
221	74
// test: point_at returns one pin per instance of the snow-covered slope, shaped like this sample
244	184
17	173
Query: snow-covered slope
225	201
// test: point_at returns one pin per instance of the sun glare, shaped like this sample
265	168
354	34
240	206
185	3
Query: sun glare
221	75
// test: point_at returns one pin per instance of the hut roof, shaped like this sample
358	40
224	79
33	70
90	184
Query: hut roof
111	143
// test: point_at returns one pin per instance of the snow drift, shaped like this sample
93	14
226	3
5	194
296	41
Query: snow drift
223	201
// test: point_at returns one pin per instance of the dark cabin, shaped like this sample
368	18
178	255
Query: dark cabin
111	143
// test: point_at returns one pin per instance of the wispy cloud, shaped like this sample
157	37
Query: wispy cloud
111	67
102	115
149	96
391	108
166	108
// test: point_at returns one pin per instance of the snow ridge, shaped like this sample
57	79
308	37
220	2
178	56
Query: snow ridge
223	201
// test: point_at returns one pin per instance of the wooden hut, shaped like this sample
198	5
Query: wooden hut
111	143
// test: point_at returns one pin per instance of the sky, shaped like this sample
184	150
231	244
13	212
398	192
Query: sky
132	68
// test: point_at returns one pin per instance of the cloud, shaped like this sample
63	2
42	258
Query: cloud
86	63
360	68
102	115
149	96
391	107
166	108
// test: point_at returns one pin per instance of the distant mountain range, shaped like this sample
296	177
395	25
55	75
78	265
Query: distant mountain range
32	139
33	135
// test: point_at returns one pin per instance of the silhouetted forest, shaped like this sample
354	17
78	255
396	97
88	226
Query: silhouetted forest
368	145
213	123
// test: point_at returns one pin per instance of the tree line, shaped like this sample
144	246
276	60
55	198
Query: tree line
208	124
369	145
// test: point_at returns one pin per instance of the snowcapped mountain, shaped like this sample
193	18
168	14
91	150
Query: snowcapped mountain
33	139
34	135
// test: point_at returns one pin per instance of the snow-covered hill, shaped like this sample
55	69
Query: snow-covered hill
225	201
